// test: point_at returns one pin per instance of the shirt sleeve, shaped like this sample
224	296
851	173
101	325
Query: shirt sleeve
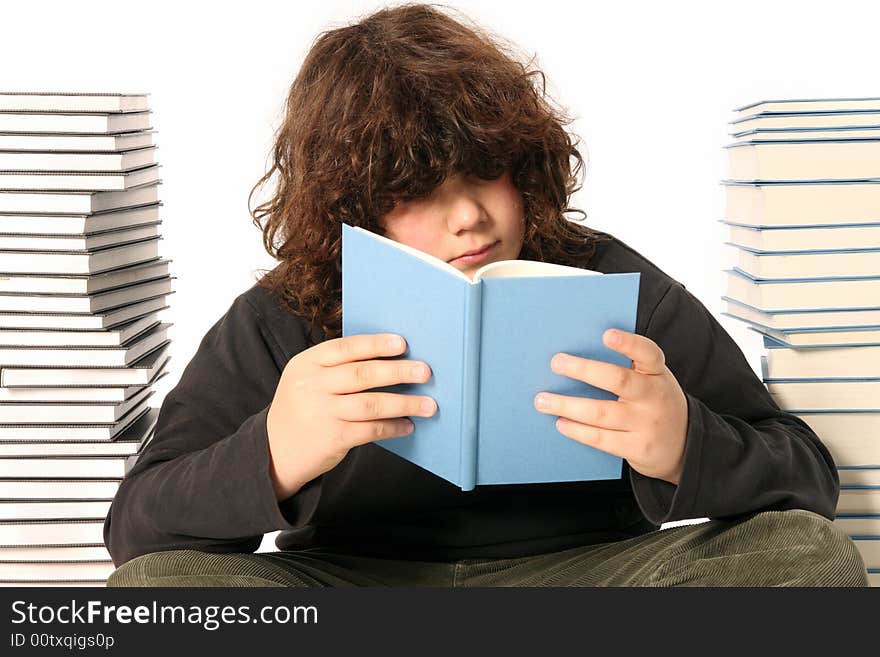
203	481
742	453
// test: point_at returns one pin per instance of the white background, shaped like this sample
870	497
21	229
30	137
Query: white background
651	86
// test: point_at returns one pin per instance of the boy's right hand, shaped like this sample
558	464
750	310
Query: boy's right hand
319	411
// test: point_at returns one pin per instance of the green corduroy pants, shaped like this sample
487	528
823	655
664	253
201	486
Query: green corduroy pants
772	548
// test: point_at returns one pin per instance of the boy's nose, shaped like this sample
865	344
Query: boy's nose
465	213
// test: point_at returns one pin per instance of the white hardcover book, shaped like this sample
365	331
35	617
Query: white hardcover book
60	161
80	242
93	123
37	553
117	448
783	321
45	141
102	320
76	202
789	295
826	396
110	338
88	303
824	238
852	438
78	262
59	489
69	413
102	395
35	101
823	363
78	181
71	467
47	532
788	105
64	433
805	120
40	572
78	225
804	160
858	500
120	356
858	474
85	283
785	134
127	443
869	548
44	510
858	524
802	203
815	264
31	449
139	372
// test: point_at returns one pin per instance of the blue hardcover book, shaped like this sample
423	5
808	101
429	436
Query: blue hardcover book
818	339
811	105
846	118
803	294
788	240
489	342
826	265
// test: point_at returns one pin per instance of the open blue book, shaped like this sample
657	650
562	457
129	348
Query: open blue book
488	342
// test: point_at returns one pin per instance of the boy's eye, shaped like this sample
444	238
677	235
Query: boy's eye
480	180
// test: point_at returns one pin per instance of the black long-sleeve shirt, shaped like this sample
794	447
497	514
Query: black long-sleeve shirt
203	482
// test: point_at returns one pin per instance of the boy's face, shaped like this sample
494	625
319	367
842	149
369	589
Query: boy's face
462	215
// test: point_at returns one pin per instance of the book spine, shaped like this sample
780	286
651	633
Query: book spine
470	390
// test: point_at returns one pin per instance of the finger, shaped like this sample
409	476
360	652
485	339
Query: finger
365	374
358	347
646	355
621	381
361	433
601	413
365	406
611	442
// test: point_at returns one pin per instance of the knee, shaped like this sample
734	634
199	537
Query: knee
817	547
194	568
155	569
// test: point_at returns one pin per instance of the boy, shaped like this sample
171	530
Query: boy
418	127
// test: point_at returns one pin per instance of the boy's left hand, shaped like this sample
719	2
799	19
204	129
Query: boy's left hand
646	425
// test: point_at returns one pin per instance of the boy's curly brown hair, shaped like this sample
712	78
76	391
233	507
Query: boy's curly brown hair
385	110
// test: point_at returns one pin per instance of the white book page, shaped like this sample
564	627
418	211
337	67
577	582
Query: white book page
499	269
522	268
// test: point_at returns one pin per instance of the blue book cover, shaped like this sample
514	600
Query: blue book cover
759	115
770	228
813	252
782	183
800	101
489	343
810	279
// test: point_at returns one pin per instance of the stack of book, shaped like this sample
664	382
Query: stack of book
803	224
81	341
